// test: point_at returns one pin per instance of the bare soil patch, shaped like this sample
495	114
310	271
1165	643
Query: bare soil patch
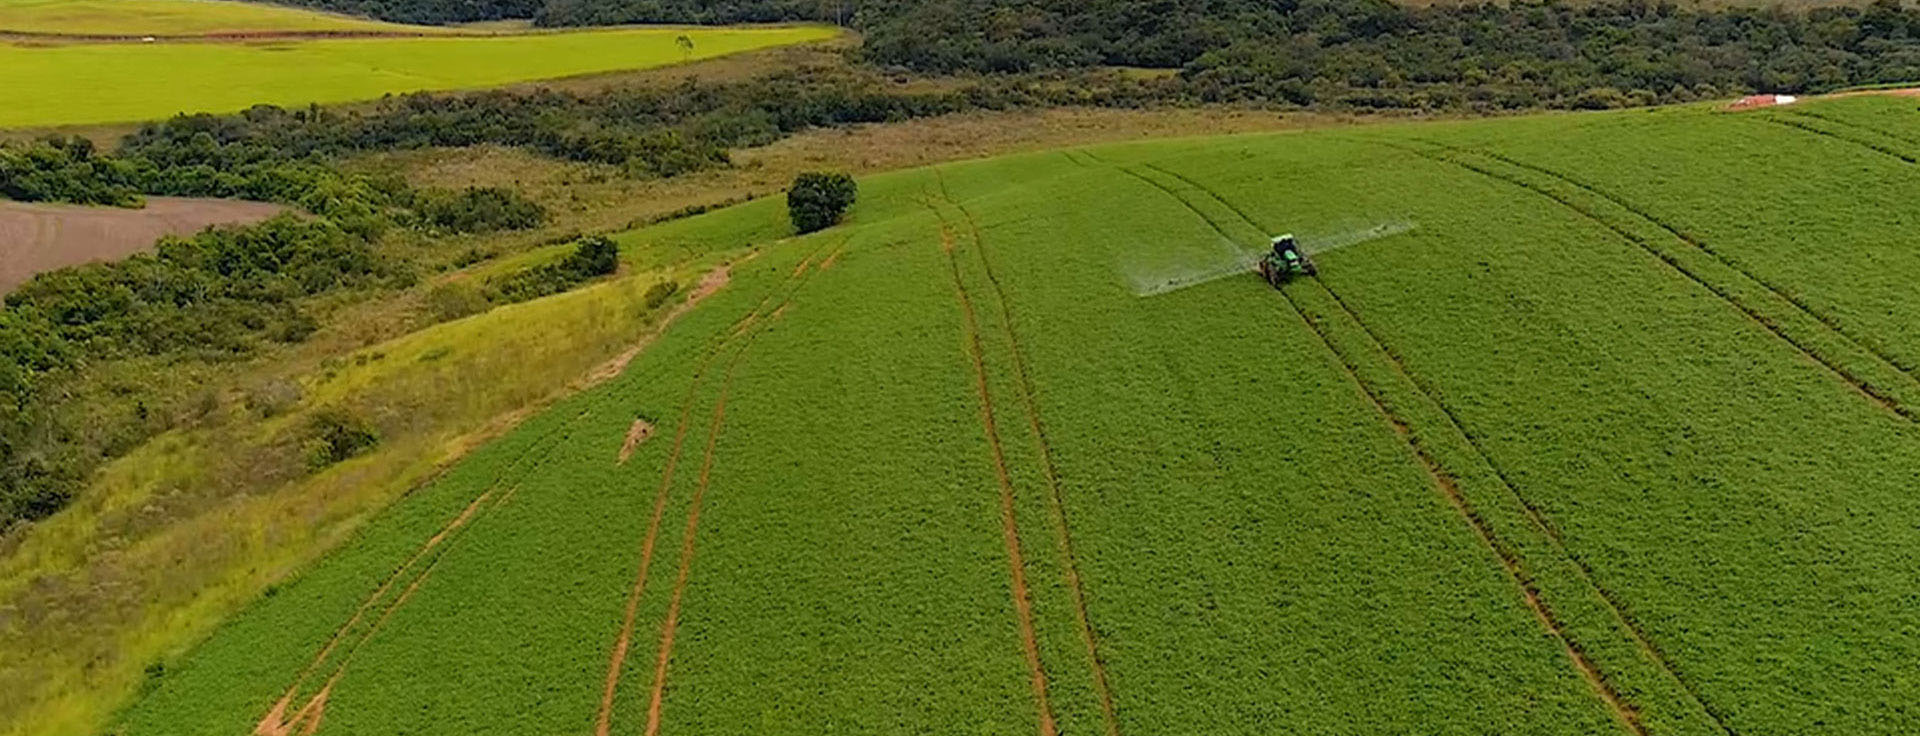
38	237
636	434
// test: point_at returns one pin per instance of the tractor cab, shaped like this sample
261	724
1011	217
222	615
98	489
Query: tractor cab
1286	261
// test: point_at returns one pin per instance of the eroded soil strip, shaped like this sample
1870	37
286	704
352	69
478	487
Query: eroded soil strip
1625	712
1056	504
1009	528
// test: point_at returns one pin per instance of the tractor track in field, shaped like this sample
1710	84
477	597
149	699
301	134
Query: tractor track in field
1056	498
1861	386
275	722
1789	297
1867	144
1627	714
1486	532
670	625
1844	123
1009	527
1540	521
616	661
1204	217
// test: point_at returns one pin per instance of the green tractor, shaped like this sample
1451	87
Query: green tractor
1285	262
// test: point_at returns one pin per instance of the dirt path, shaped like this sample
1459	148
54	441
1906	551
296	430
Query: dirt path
1009	528
1056	504
603	723
275	722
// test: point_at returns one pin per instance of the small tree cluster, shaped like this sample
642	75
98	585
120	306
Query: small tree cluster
594	256
816	200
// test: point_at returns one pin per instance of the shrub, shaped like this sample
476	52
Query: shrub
477	210
335	434
593	256
816	200
659	293
455	299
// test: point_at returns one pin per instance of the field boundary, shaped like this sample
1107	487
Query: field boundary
1056	503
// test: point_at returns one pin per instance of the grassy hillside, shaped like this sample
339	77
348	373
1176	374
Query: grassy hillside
1618	438
179	18
98	83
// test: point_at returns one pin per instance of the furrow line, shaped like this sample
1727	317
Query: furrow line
1533	513
1009	528
1622	710
1797	301
271	720
1869	145
670	626
1182	200
603	721
1244	217
1860	385
1056	503
1854	125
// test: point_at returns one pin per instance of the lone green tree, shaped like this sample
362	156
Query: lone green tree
817	199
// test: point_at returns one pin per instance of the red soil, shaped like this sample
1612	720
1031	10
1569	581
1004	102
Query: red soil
38	237
1009	528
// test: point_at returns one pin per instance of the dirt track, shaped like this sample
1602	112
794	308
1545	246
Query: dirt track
42	237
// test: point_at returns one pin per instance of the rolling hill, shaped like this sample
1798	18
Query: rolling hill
1616	434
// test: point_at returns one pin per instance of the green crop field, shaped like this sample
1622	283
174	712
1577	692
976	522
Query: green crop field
116	82
178	18
1615	431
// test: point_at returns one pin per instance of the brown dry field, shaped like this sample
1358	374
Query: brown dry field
41	237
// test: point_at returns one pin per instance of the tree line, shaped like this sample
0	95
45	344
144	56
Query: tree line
1348	53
